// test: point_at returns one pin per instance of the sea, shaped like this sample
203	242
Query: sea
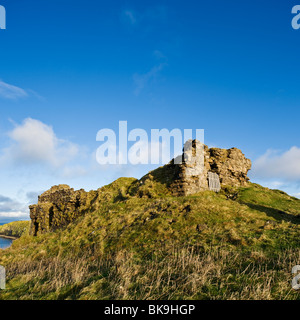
4	243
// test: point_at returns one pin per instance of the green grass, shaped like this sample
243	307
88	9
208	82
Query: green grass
142	243
15	229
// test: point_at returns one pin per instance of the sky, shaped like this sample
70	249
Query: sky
71	68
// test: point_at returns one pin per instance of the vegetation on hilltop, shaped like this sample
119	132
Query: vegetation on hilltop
142	243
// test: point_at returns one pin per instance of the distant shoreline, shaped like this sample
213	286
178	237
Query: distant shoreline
8	237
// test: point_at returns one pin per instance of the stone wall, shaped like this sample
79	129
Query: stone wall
58	207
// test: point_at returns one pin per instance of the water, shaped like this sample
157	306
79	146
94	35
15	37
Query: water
5	243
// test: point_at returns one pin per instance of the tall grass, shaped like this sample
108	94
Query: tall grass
169	274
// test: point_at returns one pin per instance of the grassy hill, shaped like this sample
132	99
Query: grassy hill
142	243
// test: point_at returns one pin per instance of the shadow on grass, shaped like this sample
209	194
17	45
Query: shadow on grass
278	215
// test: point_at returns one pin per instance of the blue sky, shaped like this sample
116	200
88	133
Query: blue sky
70	68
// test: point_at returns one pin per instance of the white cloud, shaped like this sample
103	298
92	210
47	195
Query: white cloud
280	166
276	184
74	171
11	209
278	170
14	214
32	196
9	91
34	142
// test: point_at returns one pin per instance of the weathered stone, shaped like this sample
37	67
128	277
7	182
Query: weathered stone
191	177
58	207
231	165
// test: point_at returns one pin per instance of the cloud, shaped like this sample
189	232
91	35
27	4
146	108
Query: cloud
9	205
280	166
4	199
74	171
11	209
14	214
278	170
9	91
34	142
32	196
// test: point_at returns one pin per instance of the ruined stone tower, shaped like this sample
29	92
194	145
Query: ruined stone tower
190	177
200	169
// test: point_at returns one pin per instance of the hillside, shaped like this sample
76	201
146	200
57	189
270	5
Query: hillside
135	239
204	246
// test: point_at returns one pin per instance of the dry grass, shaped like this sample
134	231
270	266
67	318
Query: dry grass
175	274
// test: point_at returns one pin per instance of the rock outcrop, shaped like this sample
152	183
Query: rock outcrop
61	204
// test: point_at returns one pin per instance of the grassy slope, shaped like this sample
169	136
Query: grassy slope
154	246
15	229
